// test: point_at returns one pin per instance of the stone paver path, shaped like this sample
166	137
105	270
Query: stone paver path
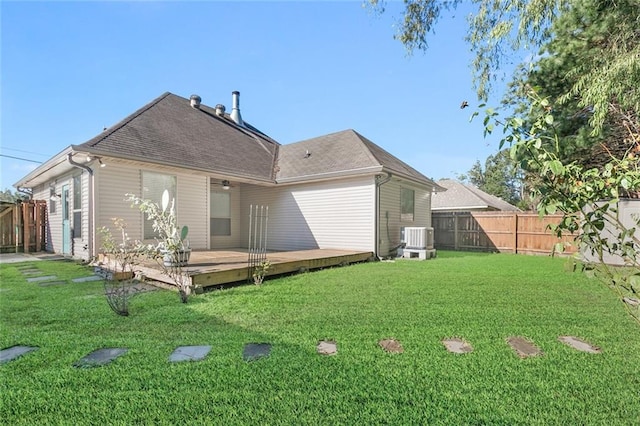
579	344
48	283
523	347
254	351
30	272
189	353
631	301
100	357
87	279
14	352
327	347
391	346
42	278
457	346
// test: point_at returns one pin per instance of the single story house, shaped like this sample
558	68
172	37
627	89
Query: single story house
338	191
460	197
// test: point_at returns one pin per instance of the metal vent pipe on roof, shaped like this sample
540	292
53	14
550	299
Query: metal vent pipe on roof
220	109
235	111
195	101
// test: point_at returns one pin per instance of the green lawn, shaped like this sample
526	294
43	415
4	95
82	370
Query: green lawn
483	298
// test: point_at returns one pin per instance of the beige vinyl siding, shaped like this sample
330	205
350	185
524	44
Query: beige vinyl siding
235	239
116	180
389	220
111	185
193	202
337	214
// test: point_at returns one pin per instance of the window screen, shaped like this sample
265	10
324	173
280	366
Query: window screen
407	204
77	206
220	214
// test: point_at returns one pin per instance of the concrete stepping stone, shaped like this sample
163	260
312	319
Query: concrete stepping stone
327	347
31	272
87	279
42	278
48	283
523	347
631	301
579	344
189	353
100	357
27	266
457	346
14	352
254	351
391	346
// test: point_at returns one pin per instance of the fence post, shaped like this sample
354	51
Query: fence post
455	232
26	227
515	232
39	219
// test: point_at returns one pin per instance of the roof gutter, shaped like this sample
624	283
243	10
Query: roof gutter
329	175
228	174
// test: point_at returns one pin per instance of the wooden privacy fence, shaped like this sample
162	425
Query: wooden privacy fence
511	232
22	226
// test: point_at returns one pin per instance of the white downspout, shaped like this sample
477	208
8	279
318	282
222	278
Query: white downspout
92	210
379	182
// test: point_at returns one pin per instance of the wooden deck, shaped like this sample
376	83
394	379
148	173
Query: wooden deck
210	268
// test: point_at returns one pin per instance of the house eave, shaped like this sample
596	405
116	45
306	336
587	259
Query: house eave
316	177
460	209
223	174
429	183
54	166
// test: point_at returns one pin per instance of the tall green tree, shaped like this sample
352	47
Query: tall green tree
499	176
498	29
586	36
11	197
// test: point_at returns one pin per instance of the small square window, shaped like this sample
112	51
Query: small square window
407	204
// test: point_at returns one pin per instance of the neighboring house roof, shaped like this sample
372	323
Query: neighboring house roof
169	131
337	154
461	197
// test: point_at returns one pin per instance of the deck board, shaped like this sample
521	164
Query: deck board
216	267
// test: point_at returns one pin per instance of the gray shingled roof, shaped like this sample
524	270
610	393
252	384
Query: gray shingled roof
169	131
345	152
461	197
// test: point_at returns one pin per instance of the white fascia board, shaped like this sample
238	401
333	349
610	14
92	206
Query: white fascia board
178	166
31	179
331	175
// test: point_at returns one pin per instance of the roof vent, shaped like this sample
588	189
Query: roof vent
195	101
235	111
220	109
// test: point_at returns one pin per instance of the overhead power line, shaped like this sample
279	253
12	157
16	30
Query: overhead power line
18	158
26	152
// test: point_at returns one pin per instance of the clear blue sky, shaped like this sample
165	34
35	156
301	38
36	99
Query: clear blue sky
303	69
